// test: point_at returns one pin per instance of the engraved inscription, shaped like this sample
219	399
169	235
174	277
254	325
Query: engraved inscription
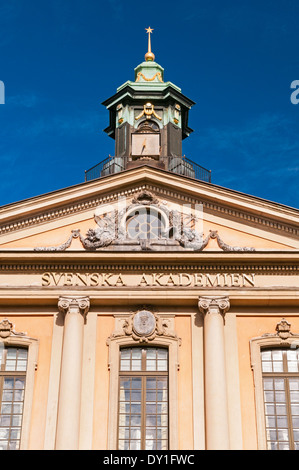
98	279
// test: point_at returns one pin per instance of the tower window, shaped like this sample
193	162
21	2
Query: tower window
12	389
148	126
280	368
143	399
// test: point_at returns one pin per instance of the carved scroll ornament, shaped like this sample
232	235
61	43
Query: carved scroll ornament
208	305
74	305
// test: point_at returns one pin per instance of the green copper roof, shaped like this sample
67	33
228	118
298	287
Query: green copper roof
149	76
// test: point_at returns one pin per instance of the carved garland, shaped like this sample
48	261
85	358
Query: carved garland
188	240
140	74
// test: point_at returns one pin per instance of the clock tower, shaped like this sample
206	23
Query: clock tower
148	120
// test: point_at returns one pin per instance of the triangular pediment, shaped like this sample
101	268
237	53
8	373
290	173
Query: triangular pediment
226	220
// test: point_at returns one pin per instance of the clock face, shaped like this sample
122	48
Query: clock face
145	144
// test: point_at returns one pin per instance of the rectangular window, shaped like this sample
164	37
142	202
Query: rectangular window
143	399
280	369
12	389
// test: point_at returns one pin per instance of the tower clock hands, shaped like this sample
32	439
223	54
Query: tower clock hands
143	145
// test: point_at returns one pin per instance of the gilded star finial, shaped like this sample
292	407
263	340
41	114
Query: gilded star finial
149	30
149	55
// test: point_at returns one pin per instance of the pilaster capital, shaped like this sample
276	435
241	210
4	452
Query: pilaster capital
74	305
211	304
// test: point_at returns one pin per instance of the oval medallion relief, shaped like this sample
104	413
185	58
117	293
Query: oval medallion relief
144	322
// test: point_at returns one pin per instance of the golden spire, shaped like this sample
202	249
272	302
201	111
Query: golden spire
149	55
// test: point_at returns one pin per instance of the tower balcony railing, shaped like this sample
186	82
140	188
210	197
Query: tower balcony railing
178	165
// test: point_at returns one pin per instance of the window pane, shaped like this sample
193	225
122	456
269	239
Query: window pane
162	365
268	384
130	359
151	353
151	365
278	366
277	355
12	353
281	409
294	384
266	355
279	384
136	364
267	366
157	359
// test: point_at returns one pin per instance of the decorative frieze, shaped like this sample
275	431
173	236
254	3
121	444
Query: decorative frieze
263	268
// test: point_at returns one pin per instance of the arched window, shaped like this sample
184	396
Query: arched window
144	223
148	125
143	399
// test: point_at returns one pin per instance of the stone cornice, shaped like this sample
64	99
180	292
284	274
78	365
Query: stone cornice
261	262
15	221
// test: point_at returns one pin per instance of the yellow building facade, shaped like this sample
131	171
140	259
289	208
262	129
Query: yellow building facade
147	308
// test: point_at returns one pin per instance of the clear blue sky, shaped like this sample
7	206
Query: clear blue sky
59	59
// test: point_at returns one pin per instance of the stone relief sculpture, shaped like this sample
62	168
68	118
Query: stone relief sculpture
144	325
173	234
6	329
283	331
103	235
